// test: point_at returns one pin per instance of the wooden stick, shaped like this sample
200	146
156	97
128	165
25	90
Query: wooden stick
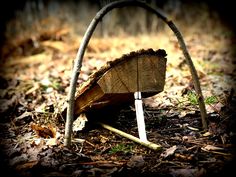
131	137
196	82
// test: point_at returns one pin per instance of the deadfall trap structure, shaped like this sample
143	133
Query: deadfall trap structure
125	78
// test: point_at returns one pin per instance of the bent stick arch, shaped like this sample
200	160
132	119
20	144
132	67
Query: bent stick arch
79	58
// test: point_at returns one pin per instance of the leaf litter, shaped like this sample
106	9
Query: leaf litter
35	89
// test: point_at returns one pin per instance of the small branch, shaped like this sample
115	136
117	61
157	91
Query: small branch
131	137
193	71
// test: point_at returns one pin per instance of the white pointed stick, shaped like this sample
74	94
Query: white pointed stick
140	116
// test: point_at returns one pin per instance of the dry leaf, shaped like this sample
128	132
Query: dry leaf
51	142
44	131
169	151
103	139
27	165
214	107
38	141
79	123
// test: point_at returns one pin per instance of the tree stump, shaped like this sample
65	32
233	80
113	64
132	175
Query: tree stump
115	83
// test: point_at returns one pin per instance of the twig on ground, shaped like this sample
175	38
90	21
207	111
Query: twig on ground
131	137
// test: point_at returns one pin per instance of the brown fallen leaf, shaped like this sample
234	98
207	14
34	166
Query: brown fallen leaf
26	165
170	151
212	108
53	141
103	139
44	131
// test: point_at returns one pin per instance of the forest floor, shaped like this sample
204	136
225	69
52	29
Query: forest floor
35	78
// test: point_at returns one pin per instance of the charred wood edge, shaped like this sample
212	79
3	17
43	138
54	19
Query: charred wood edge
79	57
131	137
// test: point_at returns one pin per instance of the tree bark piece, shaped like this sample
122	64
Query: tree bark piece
131	137
116	82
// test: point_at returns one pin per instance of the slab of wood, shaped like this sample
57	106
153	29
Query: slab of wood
115	83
